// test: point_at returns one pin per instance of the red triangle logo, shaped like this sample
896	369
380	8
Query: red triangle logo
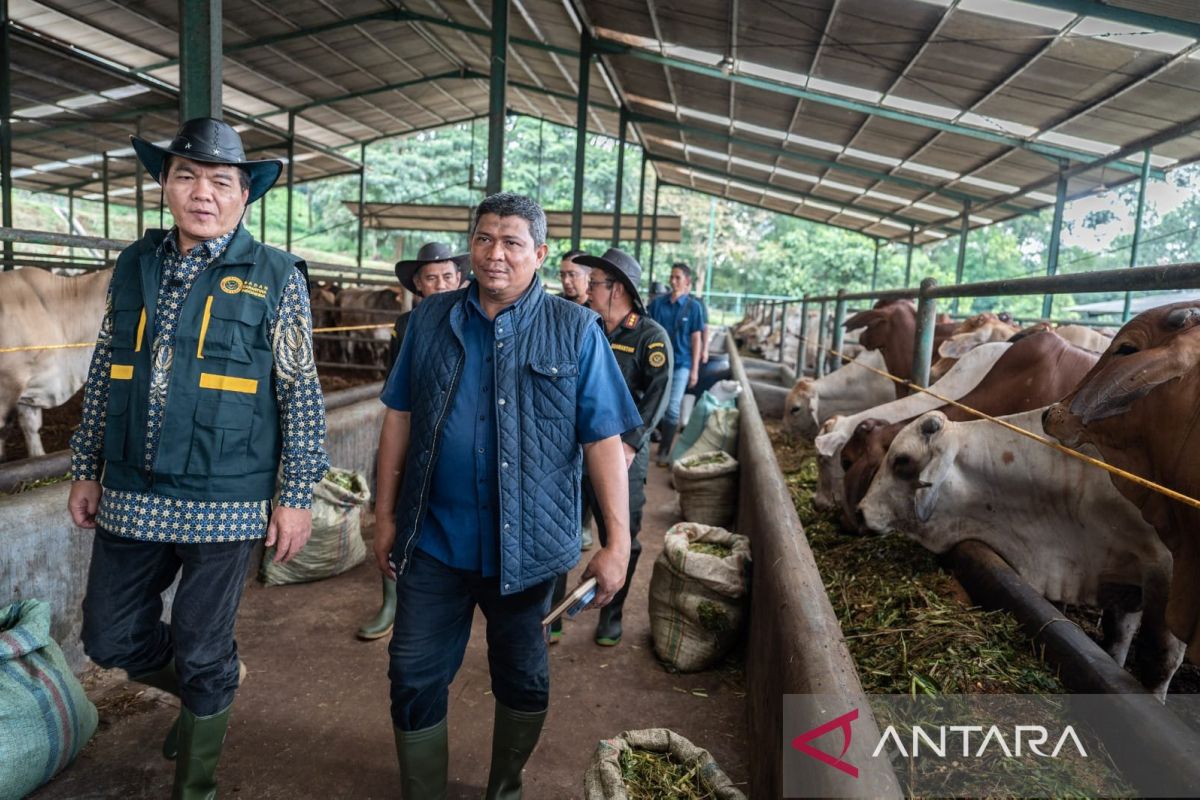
801	742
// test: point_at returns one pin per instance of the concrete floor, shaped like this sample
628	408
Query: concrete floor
311	720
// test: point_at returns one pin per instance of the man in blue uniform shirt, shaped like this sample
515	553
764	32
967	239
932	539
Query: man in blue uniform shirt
685	319
501	391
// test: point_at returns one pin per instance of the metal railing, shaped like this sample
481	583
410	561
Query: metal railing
1156	278
365	276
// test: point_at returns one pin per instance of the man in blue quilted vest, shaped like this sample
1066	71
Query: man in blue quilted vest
500	393
201	385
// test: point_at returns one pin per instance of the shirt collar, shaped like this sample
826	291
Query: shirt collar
212	247
682	298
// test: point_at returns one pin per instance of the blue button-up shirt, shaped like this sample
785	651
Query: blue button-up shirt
681	318
461	528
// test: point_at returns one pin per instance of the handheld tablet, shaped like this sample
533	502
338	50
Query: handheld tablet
573	603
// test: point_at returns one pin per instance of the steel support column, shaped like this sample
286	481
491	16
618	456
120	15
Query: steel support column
1060	201
875	267
71	218
839	316
641	207
960	266
621	131
262	219
6	167
362	199
1137	227
585	72
138	193
104	190
923	339
802	351
819	367
291	176
200	59
908	261
654	229
497	96
783	331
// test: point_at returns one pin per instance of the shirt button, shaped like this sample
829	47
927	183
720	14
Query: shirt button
499	344
500	330
554	369
501	401
503	465
481	451
507	526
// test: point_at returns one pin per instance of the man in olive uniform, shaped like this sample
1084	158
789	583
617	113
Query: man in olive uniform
643	352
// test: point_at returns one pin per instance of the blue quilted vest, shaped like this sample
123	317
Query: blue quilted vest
220	436
538	340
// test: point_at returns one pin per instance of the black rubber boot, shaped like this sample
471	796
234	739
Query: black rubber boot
514	735
200	742
608	628
663	459
381	625
424	758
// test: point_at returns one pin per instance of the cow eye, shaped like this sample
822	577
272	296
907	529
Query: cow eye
904	466
1126	349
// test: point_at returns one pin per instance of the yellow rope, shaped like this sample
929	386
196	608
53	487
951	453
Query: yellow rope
27	347
1095	462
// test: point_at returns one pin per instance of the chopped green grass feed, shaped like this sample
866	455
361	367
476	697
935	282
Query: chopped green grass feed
711	549
656	776
25	486
346	480
704	460
912	630
712	617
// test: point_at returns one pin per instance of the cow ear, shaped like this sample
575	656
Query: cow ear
861	320
1128	378
925	500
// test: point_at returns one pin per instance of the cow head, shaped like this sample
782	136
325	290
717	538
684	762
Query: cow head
882	323
825	498
800	410
904	492
1154	348
861	456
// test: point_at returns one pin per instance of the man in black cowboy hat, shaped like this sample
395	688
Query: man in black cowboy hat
435	270
201	385
643	352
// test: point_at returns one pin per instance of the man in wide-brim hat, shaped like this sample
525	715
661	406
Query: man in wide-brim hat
436	269
643	353
202	383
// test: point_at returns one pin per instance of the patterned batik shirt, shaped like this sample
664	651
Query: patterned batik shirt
154	517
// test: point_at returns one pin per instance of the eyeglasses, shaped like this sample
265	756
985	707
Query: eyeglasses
594	284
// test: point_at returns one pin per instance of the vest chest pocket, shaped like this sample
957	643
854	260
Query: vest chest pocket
554	385
231	328
221	436
128	322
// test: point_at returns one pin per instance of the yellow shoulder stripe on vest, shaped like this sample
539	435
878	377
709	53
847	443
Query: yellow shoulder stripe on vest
204	326
624	348
228	383
137	348
121	372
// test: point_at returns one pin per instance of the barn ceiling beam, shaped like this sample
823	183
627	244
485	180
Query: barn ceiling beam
774	187
776	151
1126	16
612	47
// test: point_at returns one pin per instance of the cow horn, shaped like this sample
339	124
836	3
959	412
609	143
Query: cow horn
1181	316
923	484
931	425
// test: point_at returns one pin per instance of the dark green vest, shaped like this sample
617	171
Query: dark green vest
220	436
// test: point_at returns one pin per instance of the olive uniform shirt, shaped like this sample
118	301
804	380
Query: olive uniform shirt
643	352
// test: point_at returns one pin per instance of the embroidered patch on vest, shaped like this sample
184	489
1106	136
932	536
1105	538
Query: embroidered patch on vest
231	285
624	348
255	289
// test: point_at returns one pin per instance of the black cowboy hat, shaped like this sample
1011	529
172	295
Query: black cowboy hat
430	252
620	265
209	141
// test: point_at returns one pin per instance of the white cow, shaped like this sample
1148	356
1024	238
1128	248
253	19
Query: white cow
38	308
1085	337
1056	520
964	376
844	391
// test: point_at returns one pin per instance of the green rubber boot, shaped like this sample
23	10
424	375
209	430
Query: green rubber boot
200	743
424	758
514	735
170	748
381	625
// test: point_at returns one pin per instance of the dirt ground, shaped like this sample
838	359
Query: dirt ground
311	720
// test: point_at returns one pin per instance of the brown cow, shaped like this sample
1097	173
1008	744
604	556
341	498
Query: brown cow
1036	371
370	307
1140	407
891	329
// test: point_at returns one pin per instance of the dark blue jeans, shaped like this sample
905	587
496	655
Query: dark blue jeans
434	607
122	612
